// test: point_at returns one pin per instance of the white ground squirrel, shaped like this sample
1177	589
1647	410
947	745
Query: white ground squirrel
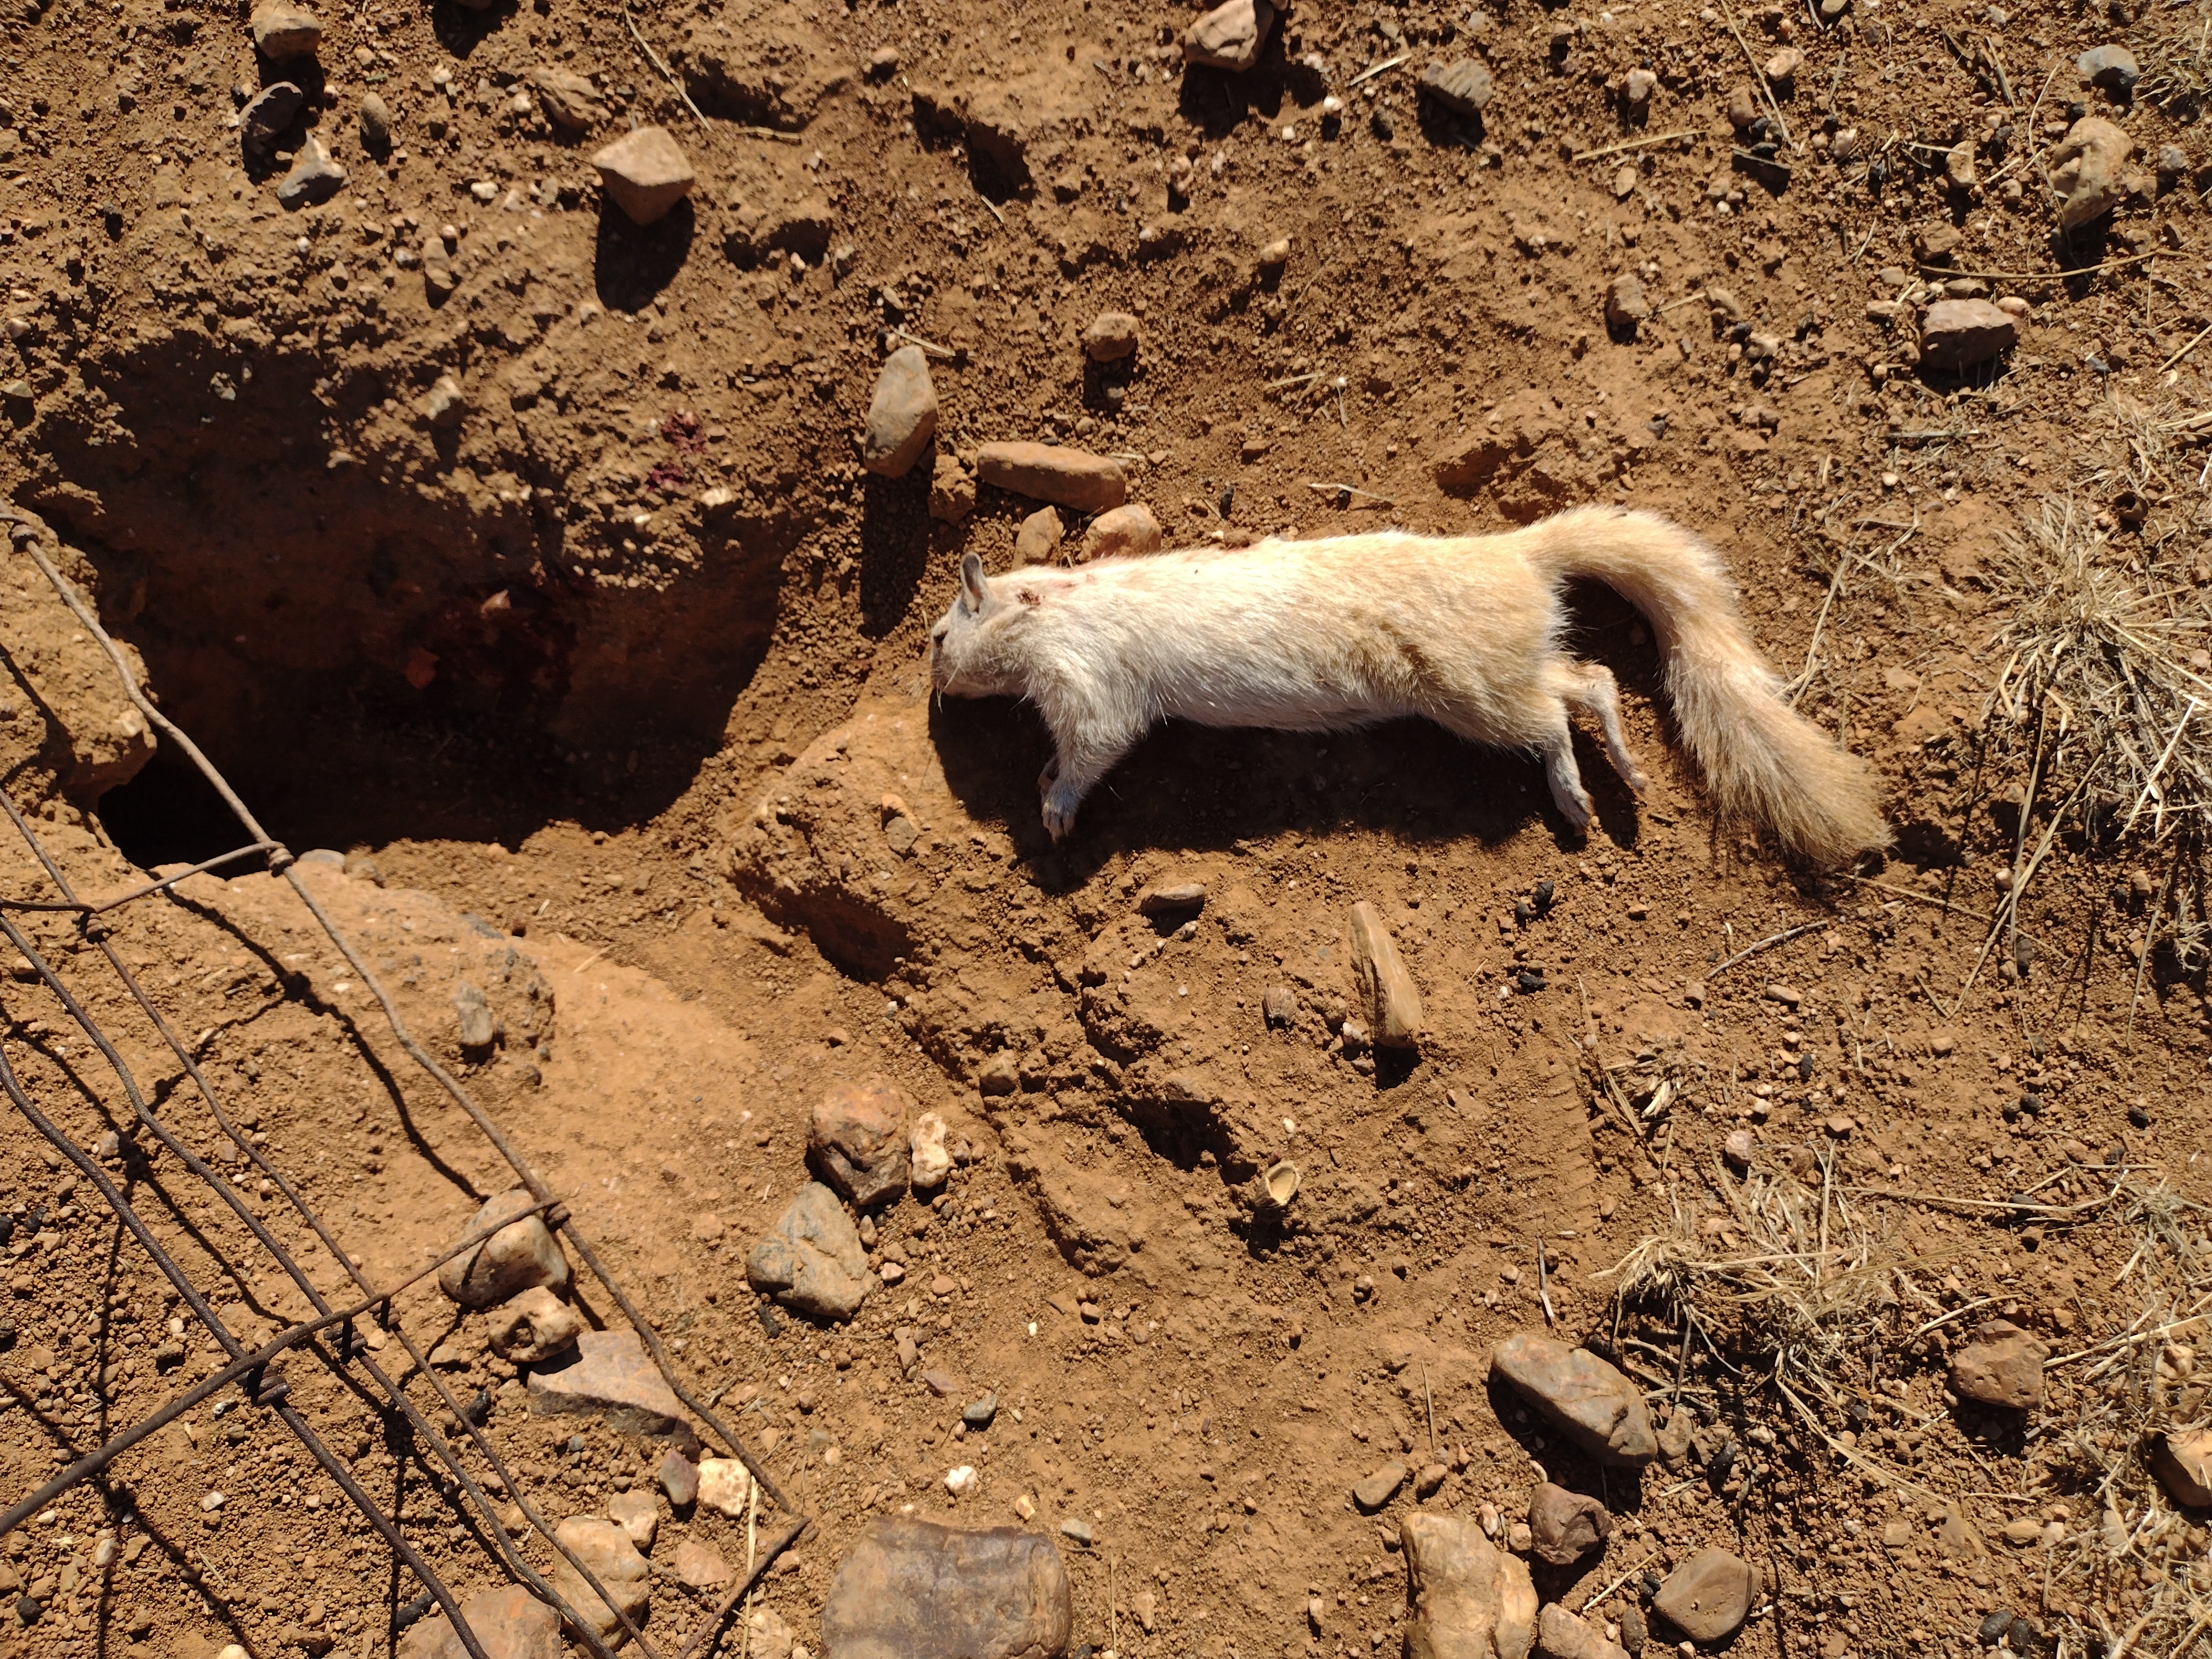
1325	635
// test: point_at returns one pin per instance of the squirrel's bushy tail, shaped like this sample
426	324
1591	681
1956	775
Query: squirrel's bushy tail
1761	759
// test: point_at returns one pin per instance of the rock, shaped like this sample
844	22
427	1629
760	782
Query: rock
1708	1598
1078	1530
2021	1531
1634	1632
2000	1364
1111	336
883	63
1565	1526
638	1515
1470	1599
1429	1481
472	1017
646	174
978	1413
1561	1634
1783	66
508	1623
604	1548
1177	899
1229	36
2172	161
263	121
2182	1460
678	1477
1039	537
1737	1150
1625	303
1391	1000
856	1141
1052	472
375	121
570	101
611	1377
511	1261
902	415
770	1635
1380	1488
2088	171
951	491
314	177
930	1162
282	32
1593	1404
1275	255
1278	1006
532	1326
445	405
1639	86
1959	334
2112	67
812	1260
701	1567
913	1589
1742	107
1958	165
1462	86
1128	531
725	1485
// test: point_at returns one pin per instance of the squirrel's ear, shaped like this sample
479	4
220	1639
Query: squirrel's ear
974	593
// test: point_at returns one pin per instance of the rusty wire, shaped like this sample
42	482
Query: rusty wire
270	1390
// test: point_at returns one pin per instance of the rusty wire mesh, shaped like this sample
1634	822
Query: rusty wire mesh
329	1337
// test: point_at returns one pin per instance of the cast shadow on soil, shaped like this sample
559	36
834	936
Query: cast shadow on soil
1200	788
894	545
632	263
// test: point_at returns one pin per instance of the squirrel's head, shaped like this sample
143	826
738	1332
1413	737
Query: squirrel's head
961	663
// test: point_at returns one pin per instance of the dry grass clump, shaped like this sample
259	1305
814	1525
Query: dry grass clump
2132	1560
1794	1285
2177	70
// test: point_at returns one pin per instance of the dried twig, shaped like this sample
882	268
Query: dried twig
666	74
1623	148
1771	940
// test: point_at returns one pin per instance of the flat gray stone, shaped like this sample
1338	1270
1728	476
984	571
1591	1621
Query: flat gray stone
811	1261
902	415
472	1017
1380	1488
1958	334
913	1589
1464	85
1590	1401
611	1377
263	121
2114	68
1056	473
570	102
314	178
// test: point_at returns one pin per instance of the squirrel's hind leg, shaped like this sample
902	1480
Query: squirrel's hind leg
1595	691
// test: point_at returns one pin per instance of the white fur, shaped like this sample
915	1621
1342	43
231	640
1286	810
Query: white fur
1463	630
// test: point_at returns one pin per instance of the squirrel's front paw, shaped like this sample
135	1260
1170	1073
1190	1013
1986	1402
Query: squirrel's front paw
1060	804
